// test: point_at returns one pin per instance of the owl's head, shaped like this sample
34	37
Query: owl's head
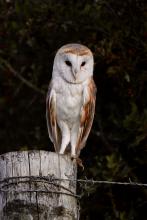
73	63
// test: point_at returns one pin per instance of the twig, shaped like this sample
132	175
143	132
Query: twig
21	78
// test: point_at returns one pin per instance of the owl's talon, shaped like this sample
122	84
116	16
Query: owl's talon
78	161
73	157
61	153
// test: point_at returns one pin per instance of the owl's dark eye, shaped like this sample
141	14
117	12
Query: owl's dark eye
68	63
83	63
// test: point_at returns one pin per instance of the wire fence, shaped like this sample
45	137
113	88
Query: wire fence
50	185
51	180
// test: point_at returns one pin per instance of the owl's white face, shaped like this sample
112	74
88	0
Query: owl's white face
73	63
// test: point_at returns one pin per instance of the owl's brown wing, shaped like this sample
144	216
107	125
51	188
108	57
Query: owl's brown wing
53	129
87	115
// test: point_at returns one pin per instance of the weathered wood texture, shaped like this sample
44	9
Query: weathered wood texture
57	204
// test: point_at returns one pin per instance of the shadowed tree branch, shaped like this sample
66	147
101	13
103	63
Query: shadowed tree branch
21	78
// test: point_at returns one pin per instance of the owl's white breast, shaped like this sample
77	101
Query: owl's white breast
69	100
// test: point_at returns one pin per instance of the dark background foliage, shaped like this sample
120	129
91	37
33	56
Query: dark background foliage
116	31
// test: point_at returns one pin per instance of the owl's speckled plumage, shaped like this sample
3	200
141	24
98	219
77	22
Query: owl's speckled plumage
71	98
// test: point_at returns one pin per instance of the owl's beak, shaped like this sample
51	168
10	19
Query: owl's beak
74	72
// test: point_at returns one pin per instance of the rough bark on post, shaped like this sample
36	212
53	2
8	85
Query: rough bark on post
32	186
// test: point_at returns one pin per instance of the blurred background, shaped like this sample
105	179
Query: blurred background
31	31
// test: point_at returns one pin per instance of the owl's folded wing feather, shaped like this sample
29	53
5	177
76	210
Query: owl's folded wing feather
87	115
53	129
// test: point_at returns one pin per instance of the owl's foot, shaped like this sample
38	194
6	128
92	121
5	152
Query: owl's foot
78	161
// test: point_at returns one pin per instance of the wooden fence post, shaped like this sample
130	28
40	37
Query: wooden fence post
32	186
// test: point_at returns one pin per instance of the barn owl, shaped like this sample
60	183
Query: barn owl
71	96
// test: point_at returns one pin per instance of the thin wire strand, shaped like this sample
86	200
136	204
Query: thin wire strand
90	181
38	181
55	181
39	191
